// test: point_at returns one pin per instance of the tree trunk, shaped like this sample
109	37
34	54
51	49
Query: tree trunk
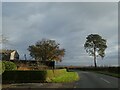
95	57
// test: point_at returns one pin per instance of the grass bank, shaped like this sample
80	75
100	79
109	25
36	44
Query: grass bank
67	77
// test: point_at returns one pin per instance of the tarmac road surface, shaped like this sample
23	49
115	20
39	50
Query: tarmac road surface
95	80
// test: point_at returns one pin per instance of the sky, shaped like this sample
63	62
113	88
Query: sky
68	23
60	0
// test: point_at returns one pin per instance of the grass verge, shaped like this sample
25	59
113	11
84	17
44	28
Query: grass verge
109	73
67	77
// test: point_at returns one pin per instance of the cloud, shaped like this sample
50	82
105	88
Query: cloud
60	0
67	23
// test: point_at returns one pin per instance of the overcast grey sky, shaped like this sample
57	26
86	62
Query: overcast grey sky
68	23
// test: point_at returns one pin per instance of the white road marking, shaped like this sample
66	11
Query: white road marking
105	80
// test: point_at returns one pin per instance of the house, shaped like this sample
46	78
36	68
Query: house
9	55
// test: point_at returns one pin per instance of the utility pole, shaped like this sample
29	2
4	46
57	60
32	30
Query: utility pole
25	57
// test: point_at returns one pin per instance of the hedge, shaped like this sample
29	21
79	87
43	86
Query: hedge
18	76
109	69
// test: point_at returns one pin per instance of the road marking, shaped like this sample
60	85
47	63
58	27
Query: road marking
105	80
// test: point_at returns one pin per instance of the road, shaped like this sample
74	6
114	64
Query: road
95	80
87	80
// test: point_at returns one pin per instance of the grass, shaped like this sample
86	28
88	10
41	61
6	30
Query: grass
110	73
67	77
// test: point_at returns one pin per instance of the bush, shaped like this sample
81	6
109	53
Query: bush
2	67
9	65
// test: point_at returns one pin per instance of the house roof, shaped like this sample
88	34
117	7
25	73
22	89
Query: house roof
6	51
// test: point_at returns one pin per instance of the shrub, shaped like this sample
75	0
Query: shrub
9	65
2	67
